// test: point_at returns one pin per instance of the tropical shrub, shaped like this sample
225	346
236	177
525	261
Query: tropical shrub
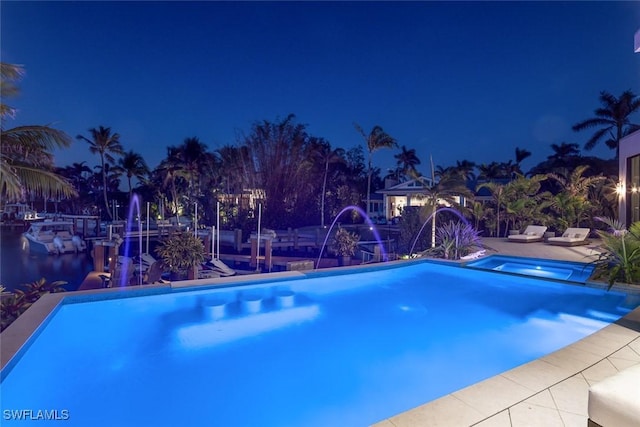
13	304
621	260
455	240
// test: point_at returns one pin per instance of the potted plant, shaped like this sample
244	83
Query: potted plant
344	245
182	253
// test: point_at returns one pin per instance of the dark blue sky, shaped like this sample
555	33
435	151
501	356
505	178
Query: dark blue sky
454	80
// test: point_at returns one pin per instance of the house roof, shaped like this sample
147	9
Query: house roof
412	186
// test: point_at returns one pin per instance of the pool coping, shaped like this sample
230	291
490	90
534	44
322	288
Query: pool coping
468	406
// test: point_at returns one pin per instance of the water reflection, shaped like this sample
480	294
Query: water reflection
18	266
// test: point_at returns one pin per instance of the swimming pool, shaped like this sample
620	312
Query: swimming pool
329	349
570	271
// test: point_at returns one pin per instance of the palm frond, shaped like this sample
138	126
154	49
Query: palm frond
39	181
35	137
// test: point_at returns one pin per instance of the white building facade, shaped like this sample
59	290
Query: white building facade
628	187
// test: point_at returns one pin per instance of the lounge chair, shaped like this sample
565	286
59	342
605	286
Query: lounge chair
154	274
474	255
533	233
116	278
615	401
571	237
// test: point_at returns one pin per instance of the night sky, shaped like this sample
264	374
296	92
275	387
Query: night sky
458	81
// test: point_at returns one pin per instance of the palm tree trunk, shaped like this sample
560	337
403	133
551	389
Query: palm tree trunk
433	225
324	189
104	188
368	185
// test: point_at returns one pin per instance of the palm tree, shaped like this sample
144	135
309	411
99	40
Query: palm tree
376	140
523	200
447	190
407	161
465	168
575	183
493	170
322	151
613	119
521	154
26	164
133	165
574	194
104	143
564	151
78	174
498	193
168	170
193	154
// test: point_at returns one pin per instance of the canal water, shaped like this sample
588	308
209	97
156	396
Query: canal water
19	267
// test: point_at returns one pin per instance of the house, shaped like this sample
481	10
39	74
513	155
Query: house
628	187
397	196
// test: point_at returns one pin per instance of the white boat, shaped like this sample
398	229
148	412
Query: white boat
52	237
20	212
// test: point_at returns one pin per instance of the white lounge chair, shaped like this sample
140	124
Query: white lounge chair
533	233
474	255
615	401
571	237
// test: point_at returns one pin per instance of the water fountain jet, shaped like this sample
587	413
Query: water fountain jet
371	226
133	203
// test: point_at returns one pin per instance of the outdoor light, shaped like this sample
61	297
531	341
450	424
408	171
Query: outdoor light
621	189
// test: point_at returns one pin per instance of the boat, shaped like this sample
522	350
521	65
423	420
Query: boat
52	237
20	212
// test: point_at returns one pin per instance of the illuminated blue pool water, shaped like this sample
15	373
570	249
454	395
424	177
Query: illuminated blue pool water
547	269
326	350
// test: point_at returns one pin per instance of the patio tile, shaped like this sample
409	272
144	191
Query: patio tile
596	346
622	364
571	395
445	412
501	419
543	399
573	420
599	371
537	375
493	394
572	358
383	423
527	415
626	353
635	346
617	335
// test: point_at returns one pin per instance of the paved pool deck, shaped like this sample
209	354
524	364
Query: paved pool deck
547	392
